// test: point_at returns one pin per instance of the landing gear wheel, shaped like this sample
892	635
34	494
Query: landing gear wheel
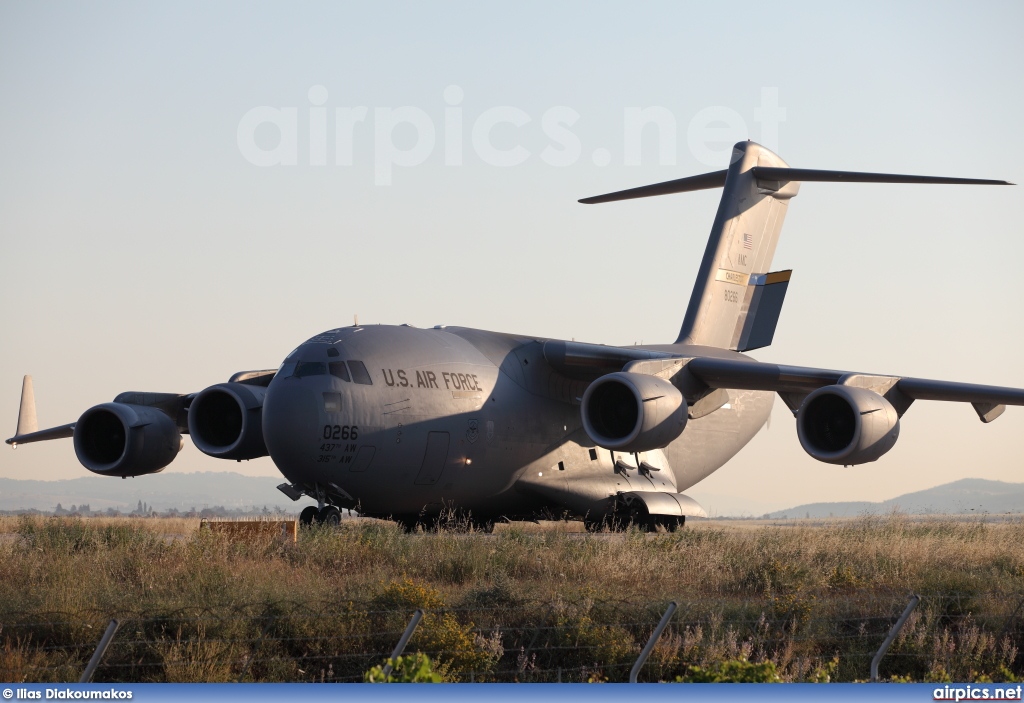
309	515
330	516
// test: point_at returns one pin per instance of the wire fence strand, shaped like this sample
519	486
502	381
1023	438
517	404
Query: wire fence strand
803	637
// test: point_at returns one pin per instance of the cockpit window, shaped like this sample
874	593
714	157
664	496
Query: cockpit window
287	369
339	369
359	373
311	368
333	351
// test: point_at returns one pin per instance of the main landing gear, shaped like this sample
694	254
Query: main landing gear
328	515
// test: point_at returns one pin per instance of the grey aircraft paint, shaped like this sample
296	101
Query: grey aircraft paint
510	423
402	422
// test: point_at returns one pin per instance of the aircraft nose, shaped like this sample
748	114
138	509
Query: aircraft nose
290	421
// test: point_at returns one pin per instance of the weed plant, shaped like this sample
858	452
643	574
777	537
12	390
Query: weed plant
809	603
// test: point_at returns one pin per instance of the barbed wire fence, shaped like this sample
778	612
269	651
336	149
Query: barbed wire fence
572	638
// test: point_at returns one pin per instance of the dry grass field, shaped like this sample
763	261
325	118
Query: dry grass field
527	603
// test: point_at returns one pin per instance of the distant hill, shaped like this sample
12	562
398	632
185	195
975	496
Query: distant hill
160	491
969	496
234	491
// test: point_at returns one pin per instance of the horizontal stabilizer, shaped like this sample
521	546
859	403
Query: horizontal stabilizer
771	174
768	173
704	181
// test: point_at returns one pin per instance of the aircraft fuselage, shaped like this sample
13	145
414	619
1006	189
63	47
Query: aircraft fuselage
474	420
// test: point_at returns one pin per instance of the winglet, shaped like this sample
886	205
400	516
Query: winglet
28	426
27	422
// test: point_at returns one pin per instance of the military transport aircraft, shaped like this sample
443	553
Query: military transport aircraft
404	423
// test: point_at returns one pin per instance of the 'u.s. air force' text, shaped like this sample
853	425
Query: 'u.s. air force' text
428	379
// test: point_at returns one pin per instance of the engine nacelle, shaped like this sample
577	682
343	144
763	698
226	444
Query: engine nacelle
846	425
117	439
633	412
226	421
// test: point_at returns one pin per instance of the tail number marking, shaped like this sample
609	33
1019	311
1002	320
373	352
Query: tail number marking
341	432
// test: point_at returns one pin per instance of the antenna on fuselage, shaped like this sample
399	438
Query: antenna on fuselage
355	320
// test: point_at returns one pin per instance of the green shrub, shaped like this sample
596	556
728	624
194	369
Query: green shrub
732	671
410	669
458	650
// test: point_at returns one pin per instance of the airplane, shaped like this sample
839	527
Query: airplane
412	424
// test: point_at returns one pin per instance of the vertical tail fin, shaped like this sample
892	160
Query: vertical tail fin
27	412
735	301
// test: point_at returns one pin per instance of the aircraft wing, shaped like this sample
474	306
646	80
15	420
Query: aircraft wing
797	381
173	405
792	383
62	432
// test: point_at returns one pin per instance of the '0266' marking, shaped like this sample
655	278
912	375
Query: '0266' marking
341	432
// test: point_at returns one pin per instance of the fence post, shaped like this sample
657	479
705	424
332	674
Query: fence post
651	642
400	647
101	649
914	600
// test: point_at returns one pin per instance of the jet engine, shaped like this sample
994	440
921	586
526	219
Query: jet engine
633	412
226	421
117	439
846	425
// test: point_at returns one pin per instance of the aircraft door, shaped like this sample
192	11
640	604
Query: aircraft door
434	459
363	458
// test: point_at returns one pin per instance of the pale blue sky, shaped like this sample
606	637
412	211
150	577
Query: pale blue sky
142	251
